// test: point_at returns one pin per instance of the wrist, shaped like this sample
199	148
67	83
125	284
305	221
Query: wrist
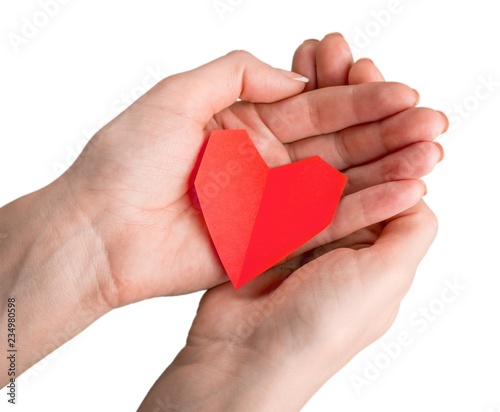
221	377
52	263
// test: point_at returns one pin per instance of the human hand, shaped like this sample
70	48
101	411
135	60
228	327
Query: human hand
133	179
273	343
405	151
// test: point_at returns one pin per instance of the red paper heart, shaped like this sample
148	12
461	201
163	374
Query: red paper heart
257	216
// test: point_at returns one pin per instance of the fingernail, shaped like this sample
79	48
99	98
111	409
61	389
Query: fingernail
425	187
417	97
441	150
374	68
447	121
378	75
293	75
334	33
302	79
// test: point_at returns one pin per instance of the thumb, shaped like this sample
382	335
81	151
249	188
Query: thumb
200	93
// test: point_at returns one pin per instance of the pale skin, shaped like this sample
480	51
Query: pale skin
119	226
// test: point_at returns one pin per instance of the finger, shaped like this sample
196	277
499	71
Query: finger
367	207
362	238
364	143
333	61
401	246
304	62
332	109
412	162
268	281
198	94
366	286
364	71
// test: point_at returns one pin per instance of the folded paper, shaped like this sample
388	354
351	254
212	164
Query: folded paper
257	216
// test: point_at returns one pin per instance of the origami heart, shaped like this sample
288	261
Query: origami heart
257	216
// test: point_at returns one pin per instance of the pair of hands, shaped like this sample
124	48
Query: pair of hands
132	233
133	179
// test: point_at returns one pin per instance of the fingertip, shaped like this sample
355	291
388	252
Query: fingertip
310	40
441	151
417	97
334	60
424	187
446	121
335	34
409	96
384	99
293	75
304	62
365	71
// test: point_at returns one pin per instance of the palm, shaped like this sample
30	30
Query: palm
277	307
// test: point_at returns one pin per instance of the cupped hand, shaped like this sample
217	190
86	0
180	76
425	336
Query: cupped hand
133	180
273	343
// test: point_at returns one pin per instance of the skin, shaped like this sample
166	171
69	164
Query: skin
273	343
119	226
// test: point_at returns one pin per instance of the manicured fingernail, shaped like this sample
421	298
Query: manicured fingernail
441	150
302	79
447	121
294	76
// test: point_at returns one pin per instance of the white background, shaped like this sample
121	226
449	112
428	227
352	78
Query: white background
91	57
